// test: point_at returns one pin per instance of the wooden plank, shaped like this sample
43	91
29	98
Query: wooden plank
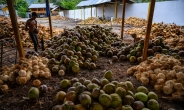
123	18
148	30
15	26
149	6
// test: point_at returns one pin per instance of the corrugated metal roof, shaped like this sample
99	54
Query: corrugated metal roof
96	2
42	5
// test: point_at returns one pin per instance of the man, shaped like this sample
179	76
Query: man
31	25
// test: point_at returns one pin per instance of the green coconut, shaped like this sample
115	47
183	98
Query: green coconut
76	84
65	83
108	74
120	91
91	86
75	68
153	104
96	106
116	100
142	89
85	100
33	93
115	83
105	100
109	88
128	100
102	92
60	96
58	107
71	96
123	85
104	81
80	89
129	85
138	105
130	93
69	105
127	107
152	95
79	107
140	96
132	59
95	93
86	82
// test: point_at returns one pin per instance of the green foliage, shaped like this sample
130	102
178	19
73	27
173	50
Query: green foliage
22	12
68	4
2	1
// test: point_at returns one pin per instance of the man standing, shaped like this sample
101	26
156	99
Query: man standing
31	25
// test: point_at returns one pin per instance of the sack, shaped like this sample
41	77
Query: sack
36	31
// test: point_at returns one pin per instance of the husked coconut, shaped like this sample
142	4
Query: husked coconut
47	75
178	86
179	75
22	73
36	74
158	87
167	90
21	80
35	67
144	80
161	76
170	83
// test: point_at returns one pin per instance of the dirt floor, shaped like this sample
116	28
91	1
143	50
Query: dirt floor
16	98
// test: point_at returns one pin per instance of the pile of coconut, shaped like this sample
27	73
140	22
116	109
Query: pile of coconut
103	94
164	72
22	72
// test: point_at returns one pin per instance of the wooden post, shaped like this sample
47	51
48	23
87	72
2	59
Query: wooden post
91	11
15	26
84	13
102	11
150	18
115	10
81	13
123	18
96	11
74	13
50	21
148	10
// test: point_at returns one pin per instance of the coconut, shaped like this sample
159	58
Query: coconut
69	105
71	96
58	107
102	92
91	86
87	92
116	100
65	83
85	99
130	93
142	89
129	86
152	95
109	88
140	96
95	93
79	107
138	105
128	100
22	73
21	80
104	81
4	87
108	75
75	68
126	107
76	84
115	83
167	90
60	96
61	72
43	88
81	80
123	85
71	89
96	106
80	89
86	82
120	91
153	104
36	83
73	80
105	100
33	93
47	75
96	81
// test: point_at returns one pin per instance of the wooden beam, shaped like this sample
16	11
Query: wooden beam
81	13
91	11
149	6
103	11
148	30
123	18
116	10
50	21
15	26
96	11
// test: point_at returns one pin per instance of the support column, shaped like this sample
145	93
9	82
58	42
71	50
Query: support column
115	10
96	11
123	18
148	30
91	12
15	26
102	11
